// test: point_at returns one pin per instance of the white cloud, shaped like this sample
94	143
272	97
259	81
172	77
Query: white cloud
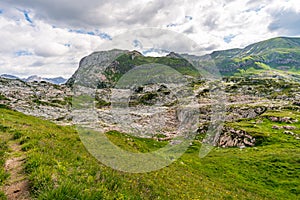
36	37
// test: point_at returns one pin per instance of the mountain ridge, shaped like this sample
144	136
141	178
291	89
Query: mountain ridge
104	68
56	80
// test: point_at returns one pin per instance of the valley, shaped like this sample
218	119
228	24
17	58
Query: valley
252	94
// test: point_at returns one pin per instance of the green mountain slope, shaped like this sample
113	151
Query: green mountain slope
104	69
280	53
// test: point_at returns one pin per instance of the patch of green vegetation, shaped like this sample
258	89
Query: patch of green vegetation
3	150
100	103
43	103
54	102
81	101
243	59
134	144
2	97
148	98
17	135
126	62
59	166
60	102
2	196
263	65
3	106
261	128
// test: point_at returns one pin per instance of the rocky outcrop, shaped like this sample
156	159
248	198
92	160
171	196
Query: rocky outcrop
245	112
235	138
283	119
91	68
284	127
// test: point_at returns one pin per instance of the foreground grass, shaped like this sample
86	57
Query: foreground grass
59	167
3	155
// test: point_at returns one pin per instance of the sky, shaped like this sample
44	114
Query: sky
49	37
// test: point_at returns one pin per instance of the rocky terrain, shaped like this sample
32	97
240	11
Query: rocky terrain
36	98
154	98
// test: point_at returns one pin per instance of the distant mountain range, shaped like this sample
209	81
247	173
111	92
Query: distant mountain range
56	80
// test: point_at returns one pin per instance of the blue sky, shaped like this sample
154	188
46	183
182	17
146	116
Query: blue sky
48	38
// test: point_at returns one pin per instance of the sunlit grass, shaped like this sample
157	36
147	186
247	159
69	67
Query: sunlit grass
59	166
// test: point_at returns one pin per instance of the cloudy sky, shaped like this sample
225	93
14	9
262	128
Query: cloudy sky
49	37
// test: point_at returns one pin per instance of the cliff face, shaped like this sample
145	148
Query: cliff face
92	68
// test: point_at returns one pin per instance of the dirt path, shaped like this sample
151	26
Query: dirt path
17	186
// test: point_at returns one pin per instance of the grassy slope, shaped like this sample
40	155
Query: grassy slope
126	63
3	151
59	167
272	52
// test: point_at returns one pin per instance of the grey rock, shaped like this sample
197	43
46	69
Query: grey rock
289	127
276	127
235	138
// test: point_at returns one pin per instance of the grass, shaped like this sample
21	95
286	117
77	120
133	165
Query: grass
126	63
3	150
59	167
3	153
2	97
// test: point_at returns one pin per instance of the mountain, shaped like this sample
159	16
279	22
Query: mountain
281	53
8	76
56	80
103	69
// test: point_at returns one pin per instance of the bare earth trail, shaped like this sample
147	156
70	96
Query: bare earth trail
17	186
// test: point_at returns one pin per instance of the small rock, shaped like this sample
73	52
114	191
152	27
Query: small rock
297	103
175	142
247	142
285	119
274	119
288	133
259	121
164	139
289	127
276	127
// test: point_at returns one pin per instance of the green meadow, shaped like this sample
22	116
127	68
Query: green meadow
58	166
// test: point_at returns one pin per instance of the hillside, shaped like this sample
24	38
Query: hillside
58	166
249	119
280	53
103	69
